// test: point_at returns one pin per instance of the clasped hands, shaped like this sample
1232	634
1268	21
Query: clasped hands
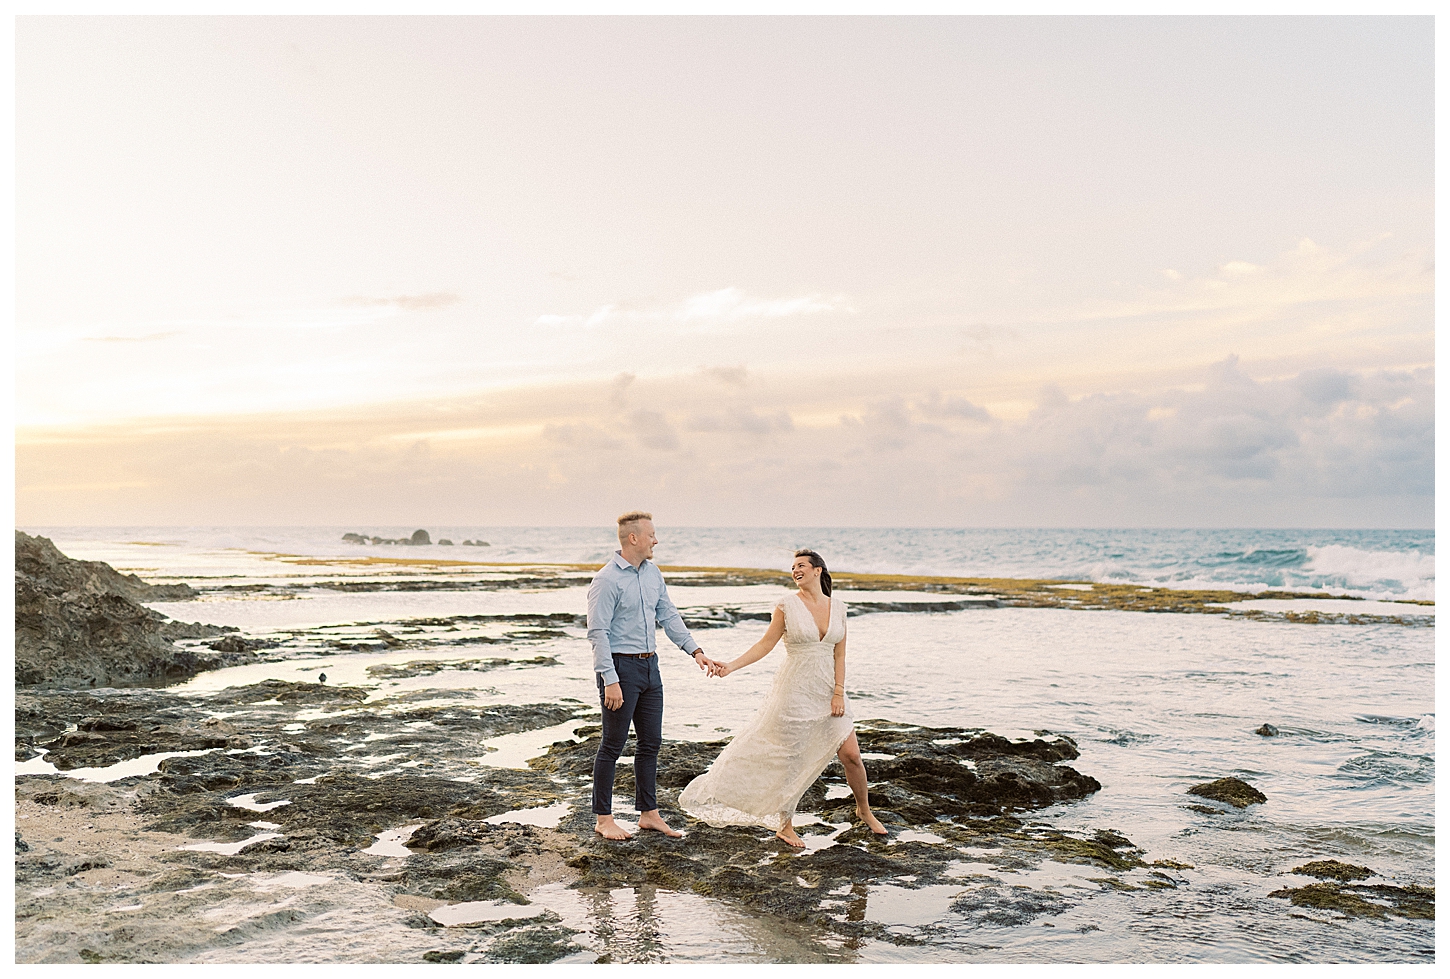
710	666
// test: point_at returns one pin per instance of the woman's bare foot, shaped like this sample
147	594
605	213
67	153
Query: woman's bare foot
788	834
606	827
653	820
869	818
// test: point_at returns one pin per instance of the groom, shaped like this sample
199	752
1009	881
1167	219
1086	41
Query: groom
626	599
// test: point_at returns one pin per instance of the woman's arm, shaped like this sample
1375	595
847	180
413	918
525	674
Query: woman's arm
838	696
773	632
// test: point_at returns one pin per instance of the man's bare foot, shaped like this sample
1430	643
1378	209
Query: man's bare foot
653	820
788	834
606	827
869	818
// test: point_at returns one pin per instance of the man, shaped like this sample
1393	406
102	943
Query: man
626	599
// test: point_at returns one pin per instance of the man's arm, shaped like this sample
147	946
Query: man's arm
603	600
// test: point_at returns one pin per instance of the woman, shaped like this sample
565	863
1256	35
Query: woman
761	775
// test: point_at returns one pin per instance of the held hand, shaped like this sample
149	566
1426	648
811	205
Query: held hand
613	697
706	663
723	669
838	705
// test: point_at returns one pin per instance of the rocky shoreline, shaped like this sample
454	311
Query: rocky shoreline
242	824
324	807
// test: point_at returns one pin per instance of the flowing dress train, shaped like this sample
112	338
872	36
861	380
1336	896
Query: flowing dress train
761	775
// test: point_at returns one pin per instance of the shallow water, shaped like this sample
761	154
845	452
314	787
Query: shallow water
1157	703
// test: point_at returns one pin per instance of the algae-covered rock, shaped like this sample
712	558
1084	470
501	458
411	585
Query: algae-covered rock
1376	901
1333	870
1235	792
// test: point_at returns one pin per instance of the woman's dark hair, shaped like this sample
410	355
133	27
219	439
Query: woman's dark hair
818	562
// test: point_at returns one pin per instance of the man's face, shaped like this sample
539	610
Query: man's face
644	539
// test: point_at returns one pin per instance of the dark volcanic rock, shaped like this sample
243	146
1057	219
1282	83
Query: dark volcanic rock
1267	731
1235	792
80	624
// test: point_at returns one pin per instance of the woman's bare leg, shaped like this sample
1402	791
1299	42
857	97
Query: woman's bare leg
850	756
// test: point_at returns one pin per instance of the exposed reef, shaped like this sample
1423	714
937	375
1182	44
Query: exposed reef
282	796
462	575
1337	892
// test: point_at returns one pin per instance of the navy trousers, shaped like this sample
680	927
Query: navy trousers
644	707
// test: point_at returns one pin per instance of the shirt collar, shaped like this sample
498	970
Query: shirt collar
619	562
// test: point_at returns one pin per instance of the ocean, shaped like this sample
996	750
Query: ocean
1156	702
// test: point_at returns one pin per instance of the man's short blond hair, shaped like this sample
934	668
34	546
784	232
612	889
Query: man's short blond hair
629	523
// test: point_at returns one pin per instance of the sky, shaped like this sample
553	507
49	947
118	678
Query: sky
797	271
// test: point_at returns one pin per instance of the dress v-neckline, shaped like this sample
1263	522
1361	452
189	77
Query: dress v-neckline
830	611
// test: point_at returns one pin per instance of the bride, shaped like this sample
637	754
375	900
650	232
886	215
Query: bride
763	772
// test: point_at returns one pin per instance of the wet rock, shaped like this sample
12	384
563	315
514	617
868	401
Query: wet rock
445	542
1375	901
460	877
20	845
354	538
394	671
1333	870
535	946
419	537
441	956
171	629
1235	792
97	748
1008	906
1267	731
236	644
80	624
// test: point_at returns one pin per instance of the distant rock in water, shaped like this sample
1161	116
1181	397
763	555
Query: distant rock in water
81	624
1268	731
1235	792
419	537
444	541
474	543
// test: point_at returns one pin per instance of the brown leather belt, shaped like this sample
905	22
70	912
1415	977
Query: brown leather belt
634	655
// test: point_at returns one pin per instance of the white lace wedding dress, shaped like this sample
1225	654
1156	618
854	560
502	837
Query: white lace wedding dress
763	772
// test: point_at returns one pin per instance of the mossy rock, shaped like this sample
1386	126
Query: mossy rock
1350	900
1333	870
1235	792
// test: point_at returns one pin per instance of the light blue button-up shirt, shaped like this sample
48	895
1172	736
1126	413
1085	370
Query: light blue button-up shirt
625	604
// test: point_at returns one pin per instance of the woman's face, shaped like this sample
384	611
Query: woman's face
802	570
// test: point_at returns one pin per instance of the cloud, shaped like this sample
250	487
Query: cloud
722	306
732	376
653	430
935	406
412	303
619	389
742	420
1322	447
148	338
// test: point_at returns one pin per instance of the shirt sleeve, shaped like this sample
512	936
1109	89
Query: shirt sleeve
668	616
601	605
